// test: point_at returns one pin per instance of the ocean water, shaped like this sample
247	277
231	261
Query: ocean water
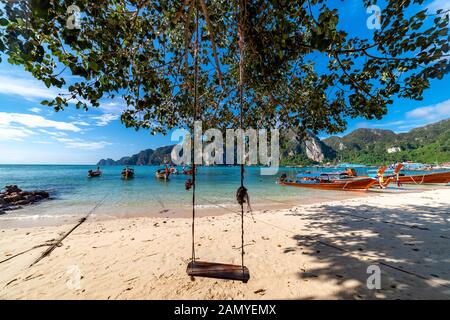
74	194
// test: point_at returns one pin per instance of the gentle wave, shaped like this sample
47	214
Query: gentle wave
37	216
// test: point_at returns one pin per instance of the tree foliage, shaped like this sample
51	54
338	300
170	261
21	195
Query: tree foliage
142	52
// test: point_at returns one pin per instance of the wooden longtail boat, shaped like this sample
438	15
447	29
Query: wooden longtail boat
383	180
128	173
351	175
188	171
161	174
353	184
94	174
438	177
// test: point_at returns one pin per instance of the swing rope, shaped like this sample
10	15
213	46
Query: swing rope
242	191
241	194
196	49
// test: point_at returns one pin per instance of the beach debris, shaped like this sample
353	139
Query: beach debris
13	280
309	275
58	243
260	291
13	198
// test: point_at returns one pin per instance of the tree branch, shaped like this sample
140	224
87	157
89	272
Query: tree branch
211	37
356	83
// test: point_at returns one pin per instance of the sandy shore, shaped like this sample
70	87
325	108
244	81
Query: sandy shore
318	251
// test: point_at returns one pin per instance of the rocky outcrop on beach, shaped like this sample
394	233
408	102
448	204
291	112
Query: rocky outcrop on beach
13	198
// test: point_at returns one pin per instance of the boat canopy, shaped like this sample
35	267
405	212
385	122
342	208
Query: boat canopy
321	175
351	165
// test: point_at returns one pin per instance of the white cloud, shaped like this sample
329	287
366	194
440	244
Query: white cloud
53	133
29	89
431	113
105	119
81	123
83	144
35	121
88	145
114	107
35	110
439	4
8	133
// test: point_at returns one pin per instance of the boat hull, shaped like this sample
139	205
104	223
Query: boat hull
162	176
438	177
128	175
344	185
94	175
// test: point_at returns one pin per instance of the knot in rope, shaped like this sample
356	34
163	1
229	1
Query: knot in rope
242	197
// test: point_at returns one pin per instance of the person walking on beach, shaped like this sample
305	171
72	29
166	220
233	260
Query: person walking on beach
397	175
167	170
380	177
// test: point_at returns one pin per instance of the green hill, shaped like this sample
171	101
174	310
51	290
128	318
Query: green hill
427	144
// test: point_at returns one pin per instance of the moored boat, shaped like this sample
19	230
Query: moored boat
94	174
437	177
162	174
327	182
173	170
127	173
188	170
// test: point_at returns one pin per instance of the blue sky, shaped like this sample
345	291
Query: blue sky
33	133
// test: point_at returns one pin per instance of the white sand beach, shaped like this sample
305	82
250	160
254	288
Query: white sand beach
315	251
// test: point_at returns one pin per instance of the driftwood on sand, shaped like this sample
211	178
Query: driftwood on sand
58	243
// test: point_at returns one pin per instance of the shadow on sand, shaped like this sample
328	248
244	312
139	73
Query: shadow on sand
409	243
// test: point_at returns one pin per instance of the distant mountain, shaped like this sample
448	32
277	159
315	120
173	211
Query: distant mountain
427	144
144	158
360	138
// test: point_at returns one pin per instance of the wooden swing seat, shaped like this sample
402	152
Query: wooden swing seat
218	271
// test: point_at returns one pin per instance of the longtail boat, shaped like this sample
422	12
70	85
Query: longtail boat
188	171
94	174
326	182
161	174
383	179
437	177
350	174
127	173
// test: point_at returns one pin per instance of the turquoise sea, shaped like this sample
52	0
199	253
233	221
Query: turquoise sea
74	194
